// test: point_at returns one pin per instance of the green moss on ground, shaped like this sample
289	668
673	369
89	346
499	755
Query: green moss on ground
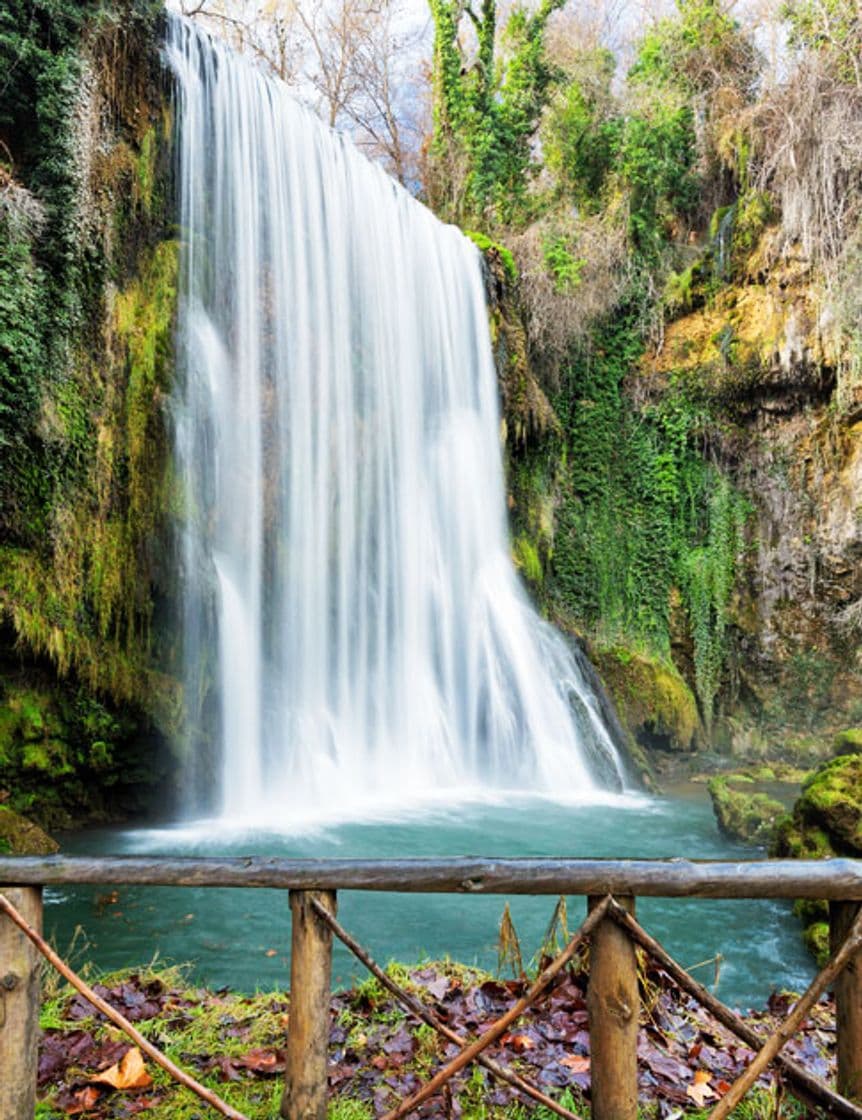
234	1044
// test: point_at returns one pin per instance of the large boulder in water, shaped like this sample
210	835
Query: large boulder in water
826	821
742	813
827	818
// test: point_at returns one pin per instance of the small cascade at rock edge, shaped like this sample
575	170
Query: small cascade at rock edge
355	633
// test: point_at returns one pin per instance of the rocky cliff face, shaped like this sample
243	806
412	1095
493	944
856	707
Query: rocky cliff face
753	379
88	268
787	403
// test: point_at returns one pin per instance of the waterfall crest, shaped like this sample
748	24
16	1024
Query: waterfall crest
350	601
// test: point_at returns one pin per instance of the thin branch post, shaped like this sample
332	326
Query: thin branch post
305	1082
848	1003
613	1003
19	1007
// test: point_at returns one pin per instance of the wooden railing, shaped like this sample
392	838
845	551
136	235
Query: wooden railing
611	887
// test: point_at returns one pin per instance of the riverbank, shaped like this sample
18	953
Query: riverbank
233	1043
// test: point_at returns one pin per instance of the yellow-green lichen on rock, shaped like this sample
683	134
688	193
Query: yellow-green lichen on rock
653	701
827	818
21	837
742	814
65	756
85	476
826	822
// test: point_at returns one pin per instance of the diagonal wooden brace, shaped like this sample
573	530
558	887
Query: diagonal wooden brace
427	1016
785	1030
808	1086
115	1017
496	1030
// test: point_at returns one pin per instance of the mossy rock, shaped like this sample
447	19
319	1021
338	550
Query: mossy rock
826	822
832	798
20	837
66	757
849	741
654	702
750	817
794	840
816	938
814	915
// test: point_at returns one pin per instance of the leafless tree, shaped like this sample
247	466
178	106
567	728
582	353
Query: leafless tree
357	62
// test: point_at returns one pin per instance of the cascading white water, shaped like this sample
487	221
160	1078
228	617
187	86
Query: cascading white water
350	596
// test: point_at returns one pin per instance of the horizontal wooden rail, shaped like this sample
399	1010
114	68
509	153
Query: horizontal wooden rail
612	996
838	879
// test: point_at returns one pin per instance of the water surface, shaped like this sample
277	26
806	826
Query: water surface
241	938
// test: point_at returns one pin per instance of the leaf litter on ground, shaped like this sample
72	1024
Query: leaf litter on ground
379	1055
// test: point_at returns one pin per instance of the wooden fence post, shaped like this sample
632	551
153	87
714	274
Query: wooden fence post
848	1004
612	1003
20	970
305	1083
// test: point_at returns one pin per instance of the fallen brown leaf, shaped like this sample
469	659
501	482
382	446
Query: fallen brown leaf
577	1063
700	1090
518	1042
128	1073
82	1101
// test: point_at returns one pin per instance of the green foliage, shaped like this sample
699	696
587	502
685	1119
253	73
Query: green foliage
22	340
527	561
562	265
487	108
580	132
84	368
642	515
708	571
697	50
832	28
656	161
487	244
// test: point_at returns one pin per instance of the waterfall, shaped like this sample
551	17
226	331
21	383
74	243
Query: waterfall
352	619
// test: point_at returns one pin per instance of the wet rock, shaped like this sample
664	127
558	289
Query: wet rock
743	814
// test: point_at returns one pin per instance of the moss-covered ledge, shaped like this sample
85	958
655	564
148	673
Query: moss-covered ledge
21	837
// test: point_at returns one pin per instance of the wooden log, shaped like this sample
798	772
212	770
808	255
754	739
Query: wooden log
613	1003
850	947
19	1007
675	878
848	1003
805	1084
305	1083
